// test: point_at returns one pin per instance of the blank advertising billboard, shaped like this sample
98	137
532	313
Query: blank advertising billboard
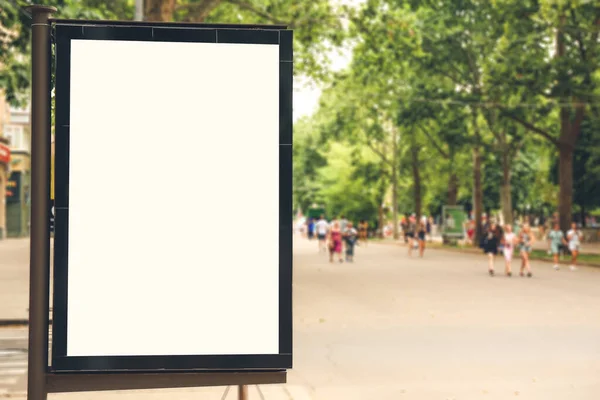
172	198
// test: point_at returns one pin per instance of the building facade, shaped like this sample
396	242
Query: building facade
4	163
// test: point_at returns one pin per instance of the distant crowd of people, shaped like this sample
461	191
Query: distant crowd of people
497	239
337	236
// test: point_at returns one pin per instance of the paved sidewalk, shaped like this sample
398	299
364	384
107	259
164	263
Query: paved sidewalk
390	327
14	279
586	248
267	392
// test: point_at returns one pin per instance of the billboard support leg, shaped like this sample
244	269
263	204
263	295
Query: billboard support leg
243	392
39	266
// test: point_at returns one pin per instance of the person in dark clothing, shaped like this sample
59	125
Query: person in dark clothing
350	237
411	231
491	241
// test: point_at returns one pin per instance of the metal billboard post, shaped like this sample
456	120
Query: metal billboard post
39	275
242	392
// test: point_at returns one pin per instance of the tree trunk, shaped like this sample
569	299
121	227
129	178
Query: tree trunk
417	181
452	189
566	146
452	181
395	203
159	10
565	180
380	219
395	183
477	194
505	189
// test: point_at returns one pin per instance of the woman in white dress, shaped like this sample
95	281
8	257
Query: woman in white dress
574	240
509	242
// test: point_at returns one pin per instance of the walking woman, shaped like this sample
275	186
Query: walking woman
556	241
574	239
509	241
430	228
350	237
422	232
335	242
525	245
490	246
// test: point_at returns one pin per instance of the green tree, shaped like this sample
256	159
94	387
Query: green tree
359	113
562	75
445	46
586	168
15	36
317	25
307	159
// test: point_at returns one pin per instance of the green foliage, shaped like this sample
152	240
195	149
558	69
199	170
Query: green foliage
318	28
446	76
345	189
586	164
307	160
15	36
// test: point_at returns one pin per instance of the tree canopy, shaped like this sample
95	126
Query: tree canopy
488	99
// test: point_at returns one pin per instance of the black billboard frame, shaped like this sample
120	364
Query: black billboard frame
63	32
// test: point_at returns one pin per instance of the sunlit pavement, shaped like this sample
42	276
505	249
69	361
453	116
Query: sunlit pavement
390	327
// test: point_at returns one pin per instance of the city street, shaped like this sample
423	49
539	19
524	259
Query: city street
390	327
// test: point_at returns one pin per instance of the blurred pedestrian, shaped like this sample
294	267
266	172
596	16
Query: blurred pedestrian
430	228
404	226
490	246
556	240
411	231
542	226
509	241
335	241
322	228
363	231
574	238
421	233
526	240
311	228
350	238
343	223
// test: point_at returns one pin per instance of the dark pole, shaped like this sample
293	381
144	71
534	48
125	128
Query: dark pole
242	392
39	268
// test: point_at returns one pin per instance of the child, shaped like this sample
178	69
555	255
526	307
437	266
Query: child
350	238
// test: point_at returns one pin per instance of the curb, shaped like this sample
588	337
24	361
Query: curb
11	323
477	251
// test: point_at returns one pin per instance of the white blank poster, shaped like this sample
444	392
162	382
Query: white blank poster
173	199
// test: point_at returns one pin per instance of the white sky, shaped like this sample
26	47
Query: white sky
306	95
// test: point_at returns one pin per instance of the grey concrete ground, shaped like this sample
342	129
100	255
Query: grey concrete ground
390	327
